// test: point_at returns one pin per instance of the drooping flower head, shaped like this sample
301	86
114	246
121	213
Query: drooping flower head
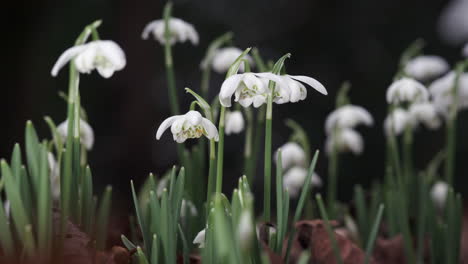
190	125
200	239
103	55
348	116
86	133
424	113
406	90
345	140
234	123
441	92
396	121
439	194
426	67
291	155
180	30
223	59
294	179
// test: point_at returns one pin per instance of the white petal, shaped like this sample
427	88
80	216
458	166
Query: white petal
291	155
193	117
87	134
151	27
106	72
279	80
234	122
348	116
68	55
465	51
228	88
439	194
211	130
200	239
165	125
84	61
311	82
259	100
113	53
426	67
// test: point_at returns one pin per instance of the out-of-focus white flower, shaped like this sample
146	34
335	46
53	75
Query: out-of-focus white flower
162	184
291	155
294	179
200	239
465	51
406	90
103	55
180	31
245	229
424	113
348	116
441	92
453	22
86	133
7	208
187	207
397	121
234	122
190	125
345	140
426	67
54	176
439	194
223	59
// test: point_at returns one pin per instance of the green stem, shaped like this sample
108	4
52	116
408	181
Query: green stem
407	153
219	167
174	103
212	170
205	82
332	176
248	147
267	169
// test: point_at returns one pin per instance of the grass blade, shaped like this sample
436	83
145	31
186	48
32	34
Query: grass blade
331	233
373	234
103	219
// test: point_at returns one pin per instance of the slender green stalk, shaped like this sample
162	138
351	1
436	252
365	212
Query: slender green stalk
331	233
103	219
279	203
333	176
407	153
212	170
248	147
373	234
219	167
174	103
267	170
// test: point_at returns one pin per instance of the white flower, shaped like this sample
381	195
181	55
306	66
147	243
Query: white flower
291	155
426	67
86	133
54	176
234	122
187	207
397	121
441	91
245	229
296	90
7	208
190	125
223	59
348	116
439	194
200	239
406	90
294	179
424	113
453	22
103	55
465	51
180	31
345	140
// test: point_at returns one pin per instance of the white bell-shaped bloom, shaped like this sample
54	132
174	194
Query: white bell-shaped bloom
103	55
187	208
453	22
223	59
397	121
234	123
426	67
296	89
348	116
465	51
406	90
54	176
441	92
200	239
86	133
344	140
245	229
162	184
439	194
426	114
294	178
291	155
190	125
180	31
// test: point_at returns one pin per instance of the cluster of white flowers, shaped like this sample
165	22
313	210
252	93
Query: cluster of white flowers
293	161
442	96
419	113
339	128
252	88
190	125
180	31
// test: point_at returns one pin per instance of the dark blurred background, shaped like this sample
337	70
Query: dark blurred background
333	41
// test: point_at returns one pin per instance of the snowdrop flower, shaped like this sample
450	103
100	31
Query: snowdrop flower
345	140
234	122
294	179
439	194
348	116
187	207
441	91
200	239
397	121
7	208
465	51
180	31
297	91
426	67
190	125
162	184
453	22
86	133
406	90
424	113
245	229
54	176
103	55
225	57
291	155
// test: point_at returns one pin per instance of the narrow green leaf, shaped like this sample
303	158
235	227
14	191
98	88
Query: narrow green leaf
279	201
141	223
44	205
87	198
32	154
127	243
304	258
16	162
141	256
57	139
185	248
6	238
373	234
155	250
361	211
331	233
103	219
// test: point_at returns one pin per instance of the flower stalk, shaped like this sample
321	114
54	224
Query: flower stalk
171	83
